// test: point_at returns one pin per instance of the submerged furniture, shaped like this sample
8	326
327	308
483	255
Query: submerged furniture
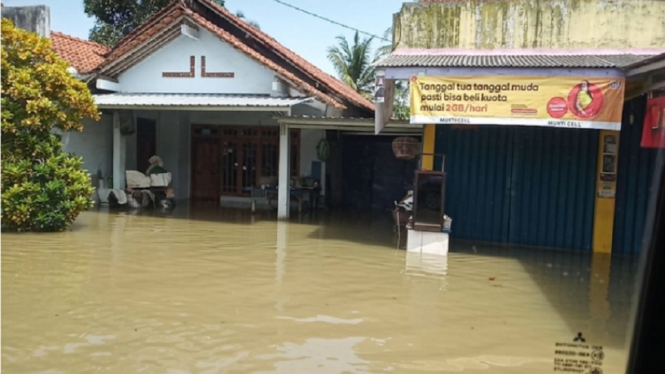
152	188
427	233
429	201
270	194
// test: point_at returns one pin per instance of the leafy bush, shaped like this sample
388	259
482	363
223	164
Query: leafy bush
43	189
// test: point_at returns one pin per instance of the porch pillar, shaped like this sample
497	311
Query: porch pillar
283	191
119	153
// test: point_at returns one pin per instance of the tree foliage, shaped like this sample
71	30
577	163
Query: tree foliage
116	18
353	64
43	189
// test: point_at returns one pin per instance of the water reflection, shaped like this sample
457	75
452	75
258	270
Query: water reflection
317	355
426	265
212	291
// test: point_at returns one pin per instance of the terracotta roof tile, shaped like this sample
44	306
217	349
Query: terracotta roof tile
83	55
146	33
333	83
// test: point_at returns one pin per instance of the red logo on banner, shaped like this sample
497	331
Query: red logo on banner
557	107
653	133
585	100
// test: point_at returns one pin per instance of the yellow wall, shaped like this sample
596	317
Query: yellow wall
480	24
603	222
429	133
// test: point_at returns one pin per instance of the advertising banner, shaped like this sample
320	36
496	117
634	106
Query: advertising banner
569	102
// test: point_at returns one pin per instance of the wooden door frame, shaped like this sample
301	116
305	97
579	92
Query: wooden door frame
192	137
258	140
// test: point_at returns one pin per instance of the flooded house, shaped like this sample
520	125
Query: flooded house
497	86
228	109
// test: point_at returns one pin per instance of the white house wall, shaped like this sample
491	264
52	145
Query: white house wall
146	77
168	147
94	144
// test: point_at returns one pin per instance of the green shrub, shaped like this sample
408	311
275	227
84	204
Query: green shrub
43	189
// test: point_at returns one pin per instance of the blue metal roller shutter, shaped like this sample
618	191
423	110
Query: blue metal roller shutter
553	186
634	176
520	185
478	163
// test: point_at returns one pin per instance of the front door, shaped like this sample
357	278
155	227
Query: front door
146	142
227	160
205	163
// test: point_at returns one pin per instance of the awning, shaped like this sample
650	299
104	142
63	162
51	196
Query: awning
217	102
350	124
505	60
401	64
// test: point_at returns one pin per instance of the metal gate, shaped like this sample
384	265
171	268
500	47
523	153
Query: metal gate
520	185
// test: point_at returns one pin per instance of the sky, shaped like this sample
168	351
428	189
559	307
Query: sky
307	36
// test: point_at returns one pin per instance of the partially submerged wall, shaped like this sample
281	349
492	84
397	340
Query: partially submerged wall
484	24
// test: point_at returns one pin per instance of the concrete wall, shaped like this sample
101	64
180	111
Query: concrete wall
35	19
94	144
250	76
172	145
483	24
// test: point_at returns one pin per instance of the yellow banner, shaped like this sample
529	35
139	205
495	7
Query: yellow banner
587	103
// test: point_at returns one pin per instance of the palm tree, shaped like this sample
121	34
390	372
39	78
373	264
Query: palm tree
353	63
385	49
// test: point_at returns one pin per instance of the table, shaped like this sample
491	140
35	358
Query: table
270	194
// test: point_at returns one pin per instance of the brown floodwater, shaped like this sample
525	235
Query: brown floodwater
209	290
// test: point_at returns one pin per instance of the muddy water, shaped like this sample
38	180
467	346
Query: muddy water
220	291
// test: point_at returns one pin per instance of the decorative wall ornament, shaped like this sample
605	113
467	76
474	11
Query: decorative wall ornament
190	74
206	74
192	71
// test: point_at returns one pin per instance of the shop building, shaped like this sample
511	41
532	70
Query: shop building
576	183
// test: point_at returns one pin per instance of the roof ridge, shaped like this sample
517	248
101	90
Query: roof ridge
174	4
166	18
297	60
93	43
